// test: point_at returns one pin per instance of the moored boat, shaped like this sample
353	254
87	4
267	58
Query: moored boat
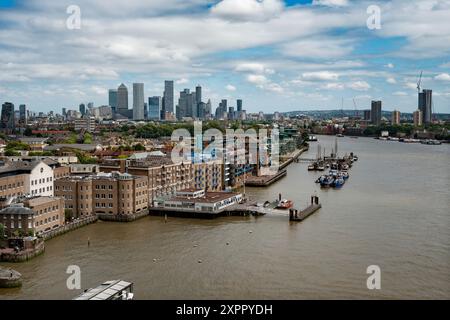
285	204
109	290
338	182
327	182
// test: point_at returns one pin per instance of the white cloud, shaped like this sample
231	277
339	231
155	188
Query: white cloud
247	9
320	76
182	81
99	90
400	94
390	66
257	79
359	86
230	87
253	67
410	85
334	86
330	3
443	77
391	80
318	48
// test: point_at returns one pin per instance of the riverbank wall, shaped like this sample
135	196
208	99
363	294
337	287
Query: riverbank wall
10	278
24	255
69	227
123	217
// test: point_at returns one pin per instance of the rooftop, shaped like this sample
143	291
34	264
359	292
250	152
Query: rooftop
15	209
36	201
105	291
209	197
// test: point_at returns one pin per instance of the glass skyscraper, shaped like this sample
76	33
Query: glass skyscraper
154	108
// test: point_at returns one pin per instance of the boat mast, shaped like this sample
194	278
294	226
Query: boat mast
336	147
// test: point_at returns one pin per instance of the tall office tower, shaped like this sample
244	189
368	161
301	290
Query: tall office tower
90	106
239	105
208	109
221	109
183	104
201	110
23	114
425	105
64	112
198	112
366	114
224	105
395	117
154	108
418	118
7	117
145	111
231	114
198	94
112	99
167	98
122	100
138	101
375	113
82	109
192	105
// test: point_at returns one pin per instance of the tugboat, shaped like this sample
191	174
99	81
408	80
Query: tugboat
285	204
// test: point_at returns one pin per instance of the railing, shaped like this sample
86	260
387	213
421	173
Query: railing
68	227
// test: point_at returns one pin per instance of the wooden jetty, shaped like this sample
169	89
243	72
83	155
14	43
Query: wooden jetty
300	215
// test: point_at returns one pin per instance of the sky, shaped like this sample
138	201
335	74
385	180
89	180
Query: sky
275	55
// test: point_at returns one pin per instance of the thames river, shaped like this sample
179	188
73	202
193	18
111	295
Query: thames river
393	212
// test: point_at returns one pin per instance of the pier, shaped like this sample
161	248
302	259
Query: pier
300	215
10	278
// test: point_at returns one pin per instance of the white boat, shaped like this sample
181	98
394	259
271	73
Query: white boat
109	290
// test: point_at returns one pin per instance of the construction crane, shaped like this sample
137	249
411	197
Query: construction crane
356	108
419	82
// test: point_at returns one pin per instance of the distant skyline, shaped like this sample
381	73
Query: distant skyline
273	54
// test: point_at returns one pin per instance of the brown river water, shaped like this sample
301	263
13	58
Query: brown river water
393	212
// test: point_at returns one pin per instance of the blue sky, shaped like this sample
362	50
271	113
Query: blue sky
277	56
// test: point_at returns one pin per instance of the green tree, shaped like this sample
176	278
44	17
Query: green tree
139	147
87	138
17	145
28	132
11	153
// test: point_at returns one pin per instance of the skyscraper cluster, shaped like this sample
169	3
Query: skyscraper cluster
190	104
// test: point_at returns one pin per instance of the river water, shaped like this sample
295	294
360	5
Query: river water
393	212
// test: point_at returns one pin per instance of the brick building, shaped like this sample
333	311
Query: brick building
114	193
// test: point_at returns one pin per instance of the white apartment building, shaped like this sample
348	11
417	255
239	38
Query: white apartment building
39	182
